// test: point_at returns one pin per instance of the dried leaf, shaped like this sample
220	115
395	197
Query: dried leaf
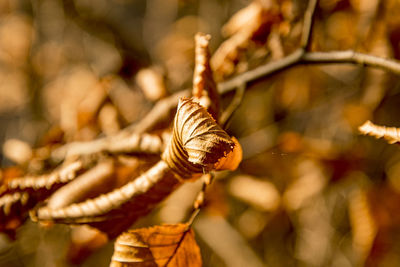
94	180
391	134
19	195
204	87
152	83
232	159
17	151
250	24
198	138
48	182
13	208
120	143
130	103
363	226
115	211
198	143
108	120
88	108
242	18
165	245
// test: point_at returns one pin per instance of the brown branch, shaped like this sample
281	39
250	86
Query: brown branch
164	106
260	72
352	57
233	106
279	65
297	57
199	201
161	111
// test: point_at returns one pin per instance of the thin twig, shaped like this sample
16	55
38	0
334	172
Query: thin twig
160	111
352	57
199	201
164	106
198	145
260	72
276	66
297	57
307	24
226	116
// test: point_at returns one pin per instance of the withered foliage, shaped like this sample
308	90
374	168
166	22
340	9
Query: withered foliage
248	29
122	114
390	134
21	194
204	87
165	245
197	145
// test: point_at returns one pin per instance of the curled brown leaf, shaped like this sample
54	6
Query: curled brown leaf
390	134
198	142
204	87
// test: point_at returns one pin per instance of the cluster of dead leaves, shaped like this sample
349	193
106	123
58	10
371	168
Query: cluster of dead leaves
305	183
80	190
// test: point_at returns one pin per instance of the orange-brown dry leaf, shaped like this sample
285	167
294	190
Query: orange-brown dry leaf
10	173
88	108
108	120
251	24
363	225
204	87
391	134
114	212
98	179
18	151
232	160
19	195
9	225
151	82
166	245
129	103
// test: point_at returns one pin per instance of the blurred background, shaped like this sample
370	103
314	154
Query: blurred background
309	192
